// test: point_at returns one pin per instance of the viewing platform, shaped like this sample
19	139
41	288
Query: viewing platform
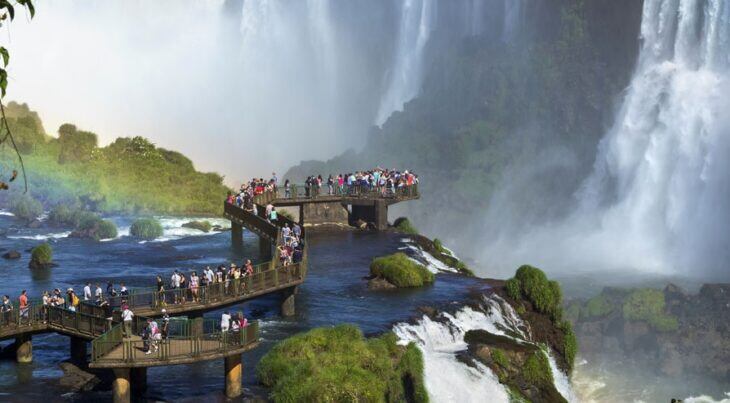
189	340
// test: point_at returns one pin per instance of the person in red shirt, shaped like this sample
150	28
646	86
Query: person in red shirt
24	308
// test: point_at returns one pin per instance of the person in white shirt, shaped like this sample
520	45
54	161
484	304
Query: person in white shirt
99	294
87	292
209	274
225	321
127	316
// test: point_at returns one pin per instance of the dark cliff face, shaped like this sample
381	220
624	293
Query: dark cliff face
492	105
696	341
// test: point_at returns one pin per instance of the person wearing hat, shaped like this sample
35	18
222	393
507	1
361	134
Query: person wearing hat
73	300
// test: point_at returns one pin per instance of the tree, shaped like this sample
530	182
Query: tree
75	145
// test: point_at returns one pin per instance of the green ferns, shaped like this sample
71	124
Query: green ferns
648	305
545	295
338	364
401	271
146	228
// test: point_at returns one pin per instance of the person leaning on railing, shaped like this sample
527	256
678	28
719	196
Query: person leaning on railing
7	311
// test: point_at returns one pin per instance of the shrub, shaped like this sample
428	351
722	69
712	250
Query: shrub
401	271
339	364
146	228
545	295
199	225
404	225
25	207
106	230
537	369
598	306
42	254
648	305
63	214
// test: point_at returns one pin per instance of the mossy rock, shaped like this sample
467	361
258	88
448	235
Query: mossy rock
537	369
91	226
339	364
146	228
648	305
41	257
24	207
203	226
532	283
403	224
401	271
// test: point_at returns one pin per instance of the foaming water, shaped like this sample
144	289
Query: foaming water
441	339
656	198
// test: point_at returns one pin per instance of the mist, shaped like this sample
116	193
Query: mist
243	88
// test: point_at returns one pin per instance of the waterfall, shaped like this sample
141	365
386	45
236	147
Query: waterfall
512	14
441	338
404	79
661	176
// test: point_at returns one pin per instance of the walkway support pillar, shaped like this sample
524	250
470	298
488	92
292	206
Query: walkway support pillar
236	234
288	303
138	378
78	350
24	349
234	372
381	215
196	325
120	387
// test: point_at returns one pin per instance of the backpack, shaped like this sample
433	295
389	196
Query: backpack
75	300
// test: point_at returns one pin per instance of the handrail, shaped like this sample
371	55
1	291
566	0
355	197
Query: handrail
301	191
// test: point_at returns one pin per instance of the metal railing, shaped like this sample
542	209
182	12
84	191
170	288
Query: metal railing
297	191
185	339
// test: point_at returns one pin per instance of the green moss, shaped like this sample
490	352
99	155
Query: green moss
401	271
339	364
648	305
545	295
537	369
500	358
25	207
598	306
204	226
404	225
146	228
42	254
440	247
570	344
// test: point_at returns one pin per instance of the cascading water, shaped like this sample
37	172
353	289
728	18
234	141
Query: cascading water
440	339
404	80
656	199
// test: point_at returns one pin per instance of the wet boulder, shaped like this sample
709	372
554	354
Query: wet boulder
13	254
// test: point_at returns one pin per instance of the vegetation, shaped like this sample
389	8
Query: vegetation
146	228
130	175
338	364
24	207
537	369
404	225
531	283
500	358
570	343
648	305
41	255
96	227
598	306
199	225
64	214
401	271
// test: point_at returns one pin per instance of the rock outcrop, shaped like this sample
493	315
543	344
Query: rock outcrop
13	254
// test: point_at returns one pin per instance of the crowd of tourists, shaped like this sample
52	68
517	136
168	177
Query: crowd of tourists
386	182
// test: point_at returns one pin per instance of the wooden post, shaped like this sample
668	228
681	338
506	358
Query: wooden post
78	350
381	215
236	234
120	386
24	349
264	248
234	372
287	305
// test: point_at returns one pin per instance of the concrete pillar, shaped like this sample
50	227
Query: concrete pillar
236	234
24	348
381	215
78	350
234	372
120	386
138	378
196	324
287	304
264	248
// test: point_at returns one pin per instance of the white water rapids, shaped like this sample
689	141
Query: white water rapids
450	380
